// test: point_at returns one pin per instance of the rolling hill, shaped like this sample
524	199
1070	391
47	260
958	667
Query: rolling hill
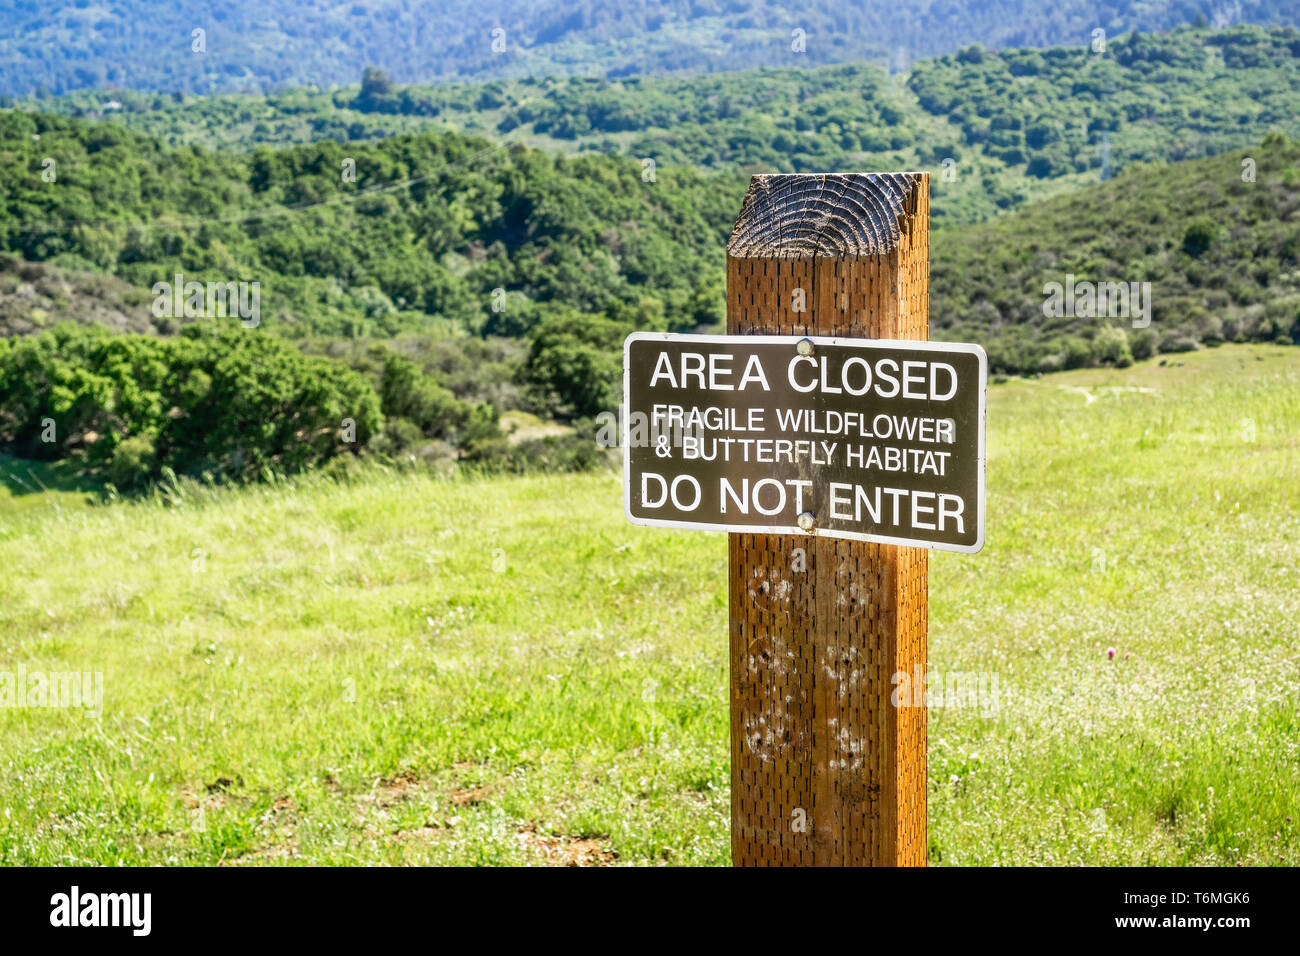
242	45
438	223
1221	255
1011	126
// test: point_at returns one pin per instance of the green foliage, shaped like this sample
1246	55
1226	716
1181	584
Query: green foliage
227	402
502	277
1200	235
144	45
438	229
423	409
574	366
132	462
230	403
1146	98
1019	123
1222	256
1111	347
407	394
567	253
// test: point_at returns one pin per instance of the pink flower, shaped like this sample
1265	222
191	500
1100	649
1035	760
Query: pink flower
1110	653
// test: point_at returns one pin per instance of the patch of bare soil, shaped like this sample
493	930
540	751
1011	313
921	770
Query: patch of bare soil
388	791
213	795
267	856
468	796
427	832
567	850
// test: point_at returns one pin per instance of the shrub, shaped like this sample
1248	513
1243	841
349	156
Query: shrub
132	462
1112	347
1179	342
573	365
1143	344
229	401
1200	235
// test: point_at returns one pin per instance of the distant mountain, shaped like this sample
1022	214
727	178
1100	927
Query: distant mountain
250	45
1006	128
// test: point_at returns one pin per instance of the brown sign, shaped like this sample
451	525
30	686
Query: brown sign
872	439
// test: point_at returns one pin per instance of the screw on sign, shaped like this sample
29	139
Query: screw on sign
837	445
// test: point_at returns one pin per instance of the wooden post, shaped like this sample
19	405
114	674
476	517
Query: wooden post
824	770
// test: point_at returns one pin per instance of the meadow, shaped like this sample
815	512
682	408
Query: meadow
399	668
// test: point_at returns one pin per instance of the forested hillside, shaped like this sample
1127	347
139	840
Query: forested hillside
443	235
244	45
1010	127
432	225
439	240
1218	240
418	269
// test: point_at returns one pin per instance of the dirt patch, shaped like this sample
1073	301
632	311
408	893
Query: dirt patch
428	832
268	856
276	826
209	798
467	797
280	814
388	791
566	850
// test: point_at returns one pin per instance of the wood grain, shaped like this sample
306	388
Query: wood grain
820	626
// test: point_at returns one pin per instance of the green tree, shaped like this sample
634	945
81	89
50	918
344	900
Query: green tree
573	365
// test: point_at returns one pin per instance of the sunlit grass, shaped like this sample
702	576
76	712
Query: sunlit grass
412	670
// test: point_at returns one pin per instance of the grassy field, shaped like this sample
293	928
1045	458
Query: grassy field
411	670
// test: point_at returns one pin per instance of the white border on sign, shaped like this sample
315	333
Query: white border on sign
907	344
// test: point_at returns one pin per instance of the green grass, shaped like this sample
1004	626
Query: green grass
412	670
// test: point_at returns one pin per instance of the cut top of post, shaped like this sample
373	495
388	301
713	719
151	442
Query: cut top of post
816	215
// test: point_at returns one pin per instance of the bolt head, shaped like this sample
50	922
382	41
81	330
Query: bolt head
807	521
804	347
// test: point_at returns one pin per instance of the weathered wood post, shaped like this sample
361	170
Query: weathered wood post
824	771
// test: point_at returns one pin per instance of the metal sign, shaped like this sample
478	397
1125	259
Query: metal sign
871	439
